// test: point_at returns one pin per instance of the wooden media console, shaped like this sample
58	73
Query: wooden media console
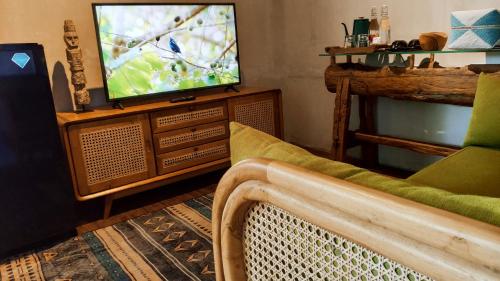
116	153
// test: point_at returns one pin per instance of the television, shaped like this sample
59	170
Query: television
156	49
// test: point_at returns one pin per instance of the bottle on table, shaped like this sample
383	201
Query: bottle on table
374	35
385	27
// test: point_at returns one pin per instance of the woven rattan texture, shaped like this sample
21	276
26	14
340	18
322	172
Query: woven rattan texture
280	246
113	152
259	115
169	141
185	117
195	155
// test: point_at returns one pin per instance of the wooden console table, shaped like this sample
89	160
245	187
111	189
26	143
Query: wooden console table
114	153
427	82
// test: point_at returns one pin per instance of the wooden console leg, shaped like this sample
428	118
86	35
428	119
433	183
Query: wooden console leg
108	203
367	124
411	61
341	116
432	59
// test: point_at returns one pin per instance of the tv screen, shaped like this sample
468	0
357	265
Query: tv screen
151	49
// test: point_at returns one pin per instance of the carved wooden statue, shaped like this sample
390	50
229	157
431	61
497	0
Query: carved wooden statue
74	58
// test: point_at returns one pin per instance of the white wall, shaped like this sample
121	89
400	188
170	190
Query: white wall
310	25
280	43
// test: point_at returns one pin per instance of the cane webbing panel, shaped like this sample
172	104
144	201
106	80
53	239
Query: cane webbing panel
195	155
258	115
214	112
280	246
200	134
113	152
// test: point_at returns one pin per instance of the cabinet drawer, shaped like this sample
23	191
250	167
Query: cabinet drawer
187	137
185	158
188	116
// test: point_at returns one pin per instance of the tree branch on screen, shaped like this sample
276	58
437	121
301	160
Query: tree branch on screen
193	13
227	49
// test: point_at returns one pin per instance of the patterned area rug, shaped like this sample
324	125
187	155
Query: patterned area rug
172	244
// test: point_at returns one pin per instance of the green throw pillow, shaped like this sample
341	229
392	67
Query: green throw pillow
484	128
247	142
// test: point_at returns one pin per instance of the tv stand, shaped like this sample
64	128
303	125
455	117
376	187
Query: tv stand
119	105
114	153
231	88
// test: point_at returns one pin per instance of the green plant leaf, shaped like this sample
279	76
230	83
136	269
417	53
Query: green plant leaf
197	74
186	84
165	74
117	87
131	79
200	83
154	60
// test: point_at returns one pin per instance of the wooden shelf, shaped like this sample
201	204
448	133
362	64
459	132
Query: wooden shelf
425	82
337	51
417	146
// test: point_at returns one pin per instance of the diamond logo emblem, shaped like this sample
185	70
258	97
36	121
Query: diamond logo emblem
21	59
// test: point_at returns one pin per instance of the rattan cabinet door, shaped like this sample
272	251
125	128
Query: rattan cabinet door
262	112
111	153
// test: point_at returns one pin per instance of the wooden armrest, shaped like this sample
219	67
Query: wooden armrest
434	242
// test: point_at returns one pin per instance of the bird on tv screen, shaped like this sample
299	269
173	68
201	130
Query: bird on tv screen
164	48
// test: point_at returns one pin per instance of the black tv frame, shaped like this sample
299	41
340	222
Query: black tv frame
159	94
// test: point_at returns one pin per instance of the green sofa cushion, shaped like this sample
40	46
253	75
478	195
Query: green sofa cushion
472	170
250	143
484	127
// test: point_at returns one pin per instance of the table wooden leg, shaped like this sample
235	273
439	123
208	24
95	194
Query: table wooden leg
341	119
108	203
432	59
411	61
367	124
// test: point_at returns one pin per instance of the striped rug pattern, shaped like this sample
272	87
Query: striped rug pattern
172	244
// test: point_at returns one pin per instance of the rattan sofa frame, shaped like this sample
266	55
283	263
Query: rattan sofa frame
438	244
